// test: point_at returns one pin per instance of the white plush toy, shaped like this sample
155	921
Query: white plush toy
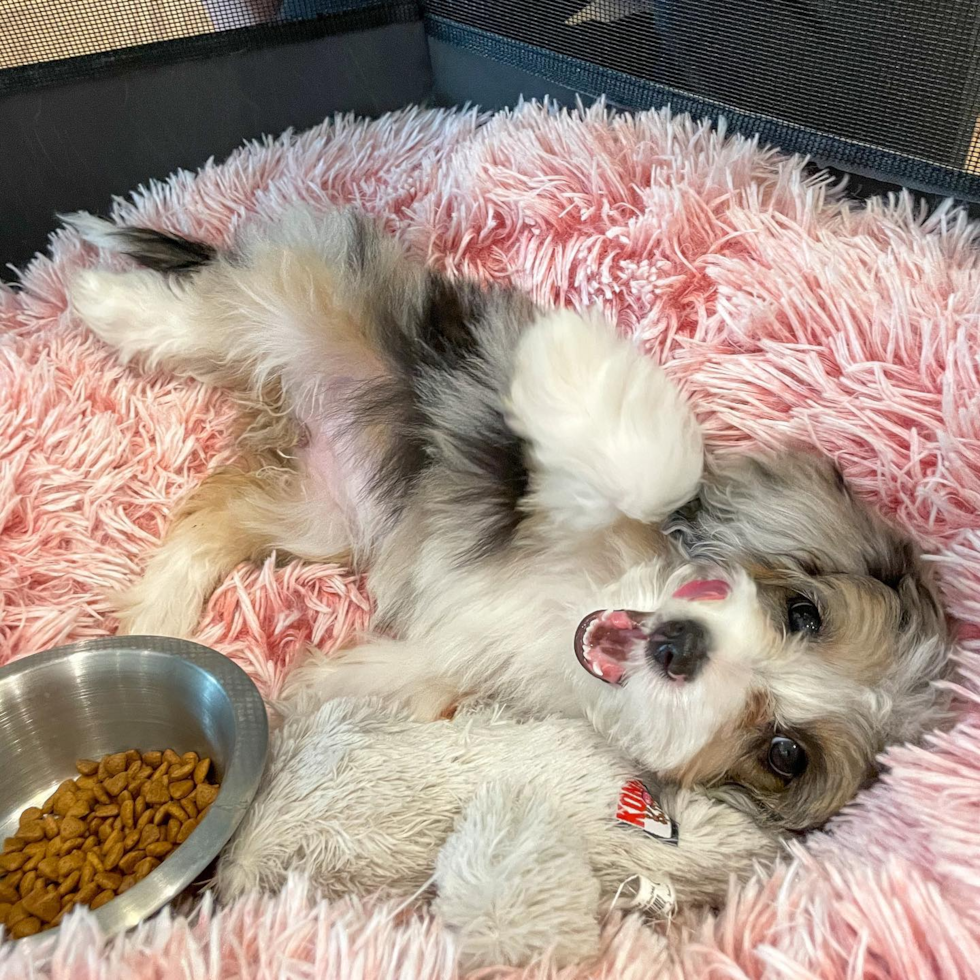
521	834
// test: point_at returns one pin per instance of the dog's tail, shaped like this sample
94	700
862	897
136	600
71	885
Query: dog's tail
155	250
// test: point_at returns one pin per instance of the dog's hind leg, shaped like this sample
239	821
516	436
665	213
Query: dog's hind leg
144	316
234	515
283	309
152	314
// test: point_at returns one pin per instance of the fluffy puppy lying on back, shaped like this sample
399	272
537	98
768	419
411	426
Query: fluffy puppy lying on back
529	494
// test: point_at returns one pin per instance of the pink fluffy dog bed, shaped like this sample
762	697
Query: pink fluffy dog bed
784	312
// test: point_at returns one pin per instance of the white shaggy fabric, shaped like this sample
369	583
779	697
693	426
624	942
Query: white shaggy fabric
493	816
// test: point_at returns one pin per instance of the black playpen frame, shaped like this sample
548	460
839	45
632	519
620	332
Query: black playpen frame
886	90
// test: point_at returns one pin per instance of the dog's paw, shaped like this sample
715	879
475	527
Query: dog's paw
105	302
510	853
609	431
386	669
137	313
140	613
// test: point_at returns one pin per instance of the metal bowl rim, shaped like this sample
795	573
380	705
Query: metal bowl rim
238	786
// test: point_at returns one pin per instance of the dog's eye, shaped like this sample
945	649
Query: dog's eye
786	758
802	616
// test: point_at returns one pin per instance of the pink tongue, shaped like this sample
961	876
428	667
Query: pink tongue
604	641
703	590
618	620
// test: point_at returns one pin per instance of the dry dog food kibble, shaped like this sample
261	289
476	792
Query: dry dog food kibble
99	834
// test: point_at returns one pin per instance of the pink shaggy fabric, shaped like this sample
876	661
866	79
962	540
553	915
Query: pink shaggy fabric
784	311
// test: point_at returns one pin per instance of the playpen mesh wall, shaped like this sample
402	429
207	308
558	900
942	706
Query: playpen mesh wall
885	88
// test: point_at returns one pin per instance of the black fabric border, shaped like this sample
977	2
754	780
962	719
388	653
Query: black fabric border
631	93
67	70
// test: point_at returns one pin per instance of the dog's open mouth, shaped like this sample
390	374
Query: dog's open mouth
604	640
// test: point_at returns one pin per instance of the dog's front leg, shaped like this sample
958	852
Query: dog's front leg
397	670
609	434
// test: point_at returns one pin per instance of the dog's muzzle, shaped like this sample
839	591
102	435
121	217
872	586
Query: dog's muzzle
679	648
608	639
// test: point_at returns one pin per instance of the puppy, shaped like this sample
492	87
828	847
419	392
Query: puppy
530	496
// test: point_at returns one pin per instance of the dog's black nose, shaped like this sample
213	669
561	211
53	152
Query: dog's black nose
679	647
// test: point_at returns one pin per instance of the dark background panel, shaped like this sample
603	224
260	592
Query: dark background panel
888	89
74	146
473	64
462	76
899	75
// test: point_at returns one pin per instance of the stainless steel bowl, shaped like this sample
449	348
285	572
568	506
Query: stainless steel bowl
100	696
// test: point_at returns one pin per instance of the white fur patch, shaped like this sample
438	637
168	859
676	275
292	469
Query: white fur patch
514	880
609	431
139	313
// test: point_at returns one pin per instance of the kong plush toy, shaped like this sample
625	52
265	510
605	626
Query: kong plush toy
521	834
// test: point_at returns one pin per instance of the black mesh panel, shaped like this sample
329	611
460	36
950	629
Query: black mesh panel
897	75
883	87
46	42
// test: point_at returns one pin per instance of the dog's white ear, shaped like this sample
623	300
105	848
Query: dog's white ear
515	883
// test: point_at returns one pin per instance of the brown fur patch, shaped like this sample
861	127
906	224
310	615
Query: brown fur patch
716	760
219	512
861	620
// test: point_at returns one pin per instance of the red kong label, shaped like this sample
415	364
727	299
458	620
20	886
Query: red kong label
639	809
